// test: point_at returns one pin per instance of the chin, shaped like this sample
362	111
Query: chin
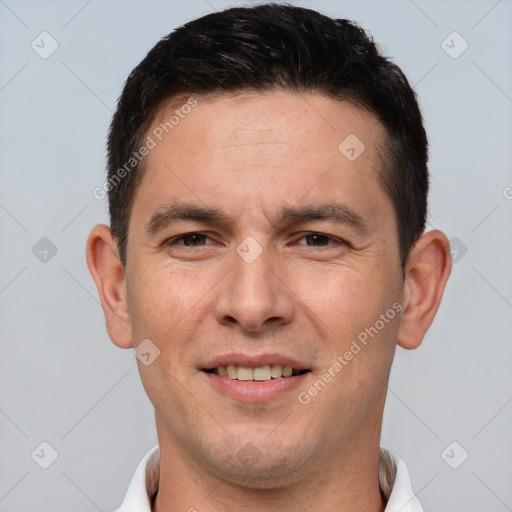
267	467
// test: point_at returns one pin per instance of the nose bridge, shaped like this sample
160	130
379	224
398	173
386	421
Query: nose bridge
254	296
253	274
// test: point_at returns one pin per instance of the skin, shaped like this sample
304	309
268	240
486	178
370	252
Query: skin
250	155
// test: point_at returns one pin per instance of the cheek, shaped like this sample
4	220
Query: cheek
346	300
361	342
159	302
370	322
162	312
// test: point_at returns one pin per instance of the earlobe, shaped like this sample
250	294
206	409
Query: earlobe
108	274
428	268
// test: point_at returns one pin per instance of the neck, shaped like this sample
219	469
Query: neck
345	480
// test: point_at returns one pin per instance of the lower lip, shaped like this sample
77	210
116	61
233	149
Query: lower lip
255	391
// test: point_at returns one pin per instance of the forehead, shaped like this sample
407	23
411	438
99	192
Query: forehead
229	124
263	147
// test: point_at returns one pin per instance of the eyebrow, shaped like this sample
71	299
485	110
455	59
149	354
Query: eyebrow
166	215
335	212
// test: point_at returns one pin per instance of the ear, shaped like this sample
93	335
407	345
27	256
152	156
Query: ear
428	267
108	274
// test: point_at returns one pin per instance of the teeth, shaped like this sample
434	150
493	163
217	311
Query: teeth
276	371
231	370
244	373
261	373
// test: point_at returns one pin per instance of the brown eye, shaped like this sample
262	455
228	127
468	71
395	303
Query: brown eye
189	240
319	240
193	239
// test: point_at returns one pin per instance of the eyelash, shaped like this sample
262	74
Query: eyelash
173	241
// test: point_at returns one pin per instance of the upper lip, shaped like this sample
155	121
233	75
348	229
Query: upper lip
254	361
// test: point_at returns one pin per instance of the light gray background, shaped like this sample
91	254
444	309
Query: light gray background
64	382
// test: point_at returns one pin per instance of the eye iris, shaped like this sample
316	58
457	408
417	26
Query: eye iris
318	239
194	238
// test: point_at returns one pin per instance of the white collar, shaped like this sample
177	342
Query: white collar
394	480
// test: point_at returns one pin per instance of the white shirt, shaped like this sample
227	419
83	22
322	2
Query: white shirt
394	480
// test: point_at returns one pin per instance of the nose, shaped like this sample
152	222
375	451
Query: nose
256	296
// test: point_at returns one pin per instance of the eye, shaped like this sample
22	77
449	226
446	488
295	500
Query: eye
189	240
320	240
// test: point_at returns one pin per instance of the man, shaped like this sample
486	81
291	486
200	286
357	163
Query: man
266	254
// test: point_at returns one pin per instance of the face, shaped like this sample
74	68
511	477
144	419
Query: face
258	245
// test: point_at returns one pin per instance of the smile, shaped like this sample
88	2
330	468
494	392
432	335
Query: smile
258	374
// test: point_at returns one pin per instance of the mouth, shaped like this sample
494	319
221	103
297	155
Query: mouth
253	378
257	374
